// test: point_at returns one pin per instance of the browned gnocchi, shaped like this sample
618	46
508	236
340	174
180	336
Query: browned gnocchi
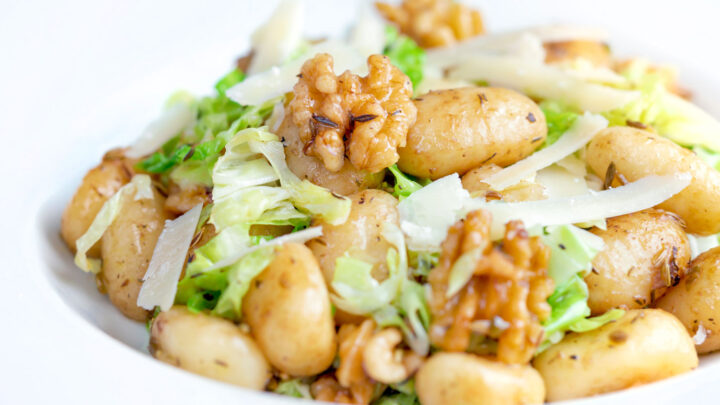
287	297
645	253
643	346
127	247
695	301
459	129
636	153
98	185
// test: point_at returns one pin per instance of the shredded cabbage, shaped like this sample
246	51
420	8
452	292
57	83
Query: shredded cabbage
426	214
246	190
310	198
572	252
207	275
399	398
232	78
405	54
411	305
670	115
296	388
140	186
710	157
463	270
239	276
190	158
580	133
559	118
167	262
252	185
588	324
234	255
570	312
357	292
404	184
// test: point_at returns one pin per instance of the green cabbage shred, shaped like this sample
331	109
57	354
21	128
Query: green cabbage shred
559	118
572	252
405	54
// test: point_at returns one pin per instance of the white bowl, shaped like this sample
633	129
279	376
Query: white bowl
62	340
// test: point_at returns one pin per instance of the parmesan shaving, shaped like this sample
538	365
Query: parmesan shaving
540	80
582	131
162	275
170	123
639	195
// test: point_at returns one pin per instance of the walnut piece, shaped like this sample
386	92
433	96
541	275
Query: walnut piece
363	118
434	23
504	301
349	384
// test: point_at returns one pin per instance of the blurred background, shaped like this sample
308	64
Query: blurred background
79	53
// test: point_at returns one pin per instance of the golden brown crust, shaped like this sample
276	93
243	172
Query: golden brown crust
645	253
363	118
510	281
460	129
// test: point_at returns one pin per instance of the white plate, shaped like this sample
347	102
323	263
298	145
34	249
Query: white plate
86	76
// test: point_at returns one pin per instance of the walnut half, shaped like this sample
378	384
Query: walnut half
363	118
434	23
504	302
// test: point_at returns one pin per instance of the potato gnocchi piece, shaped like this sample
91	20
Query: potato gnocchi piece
641	347
98	185
467	379
696	299
209	346
645	253
360	236
460	129
288	310
637	153
127	247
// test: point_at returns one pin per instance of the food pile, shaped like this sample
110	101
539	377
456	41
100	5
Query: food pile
418	213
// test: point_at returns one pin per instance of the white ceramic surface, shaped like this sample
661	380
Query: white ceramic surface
80	77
